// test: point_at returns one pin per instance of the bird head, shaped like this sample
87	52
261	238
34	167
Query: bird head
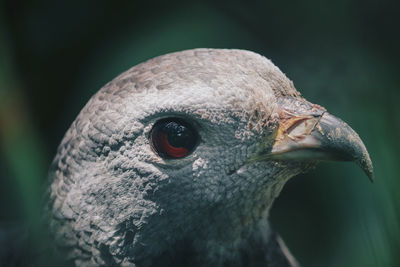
189	147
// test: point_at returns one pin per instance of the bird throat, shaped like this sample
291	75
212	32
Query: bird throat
222	237
255	244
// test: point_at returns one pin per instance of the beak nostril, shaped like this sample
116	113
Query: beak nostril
308	133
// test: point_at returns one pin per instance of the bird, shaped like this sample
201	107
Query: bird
178	160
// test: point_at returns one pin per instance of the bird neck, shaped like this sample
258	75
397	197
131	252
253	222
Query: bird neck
224	237
220	234
255	245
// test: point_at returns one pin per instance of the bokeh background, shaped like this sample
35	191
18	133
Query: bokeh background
341	54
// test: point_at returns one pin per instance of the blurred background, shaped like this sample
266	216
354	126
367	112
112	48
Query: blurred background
343	55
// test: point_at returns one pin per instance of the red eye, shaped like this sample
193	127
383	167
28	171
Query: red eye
173	138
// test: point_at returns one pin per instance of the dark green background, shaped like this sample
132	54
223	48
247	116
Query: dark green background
343	55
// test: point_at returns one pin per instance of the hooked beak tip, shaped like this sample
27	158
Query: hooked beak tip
365	164
347	145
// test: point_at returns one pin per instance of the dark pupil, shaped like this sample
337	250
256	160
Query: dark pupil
178	135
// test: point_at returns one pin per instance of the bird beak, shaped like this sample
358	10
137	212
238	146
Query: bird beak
307	132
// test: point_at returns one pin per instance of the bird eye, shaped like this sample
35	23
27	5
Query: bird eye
173	138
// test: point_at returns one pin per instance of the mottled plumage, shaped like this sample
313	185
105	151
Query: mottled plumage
113	201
